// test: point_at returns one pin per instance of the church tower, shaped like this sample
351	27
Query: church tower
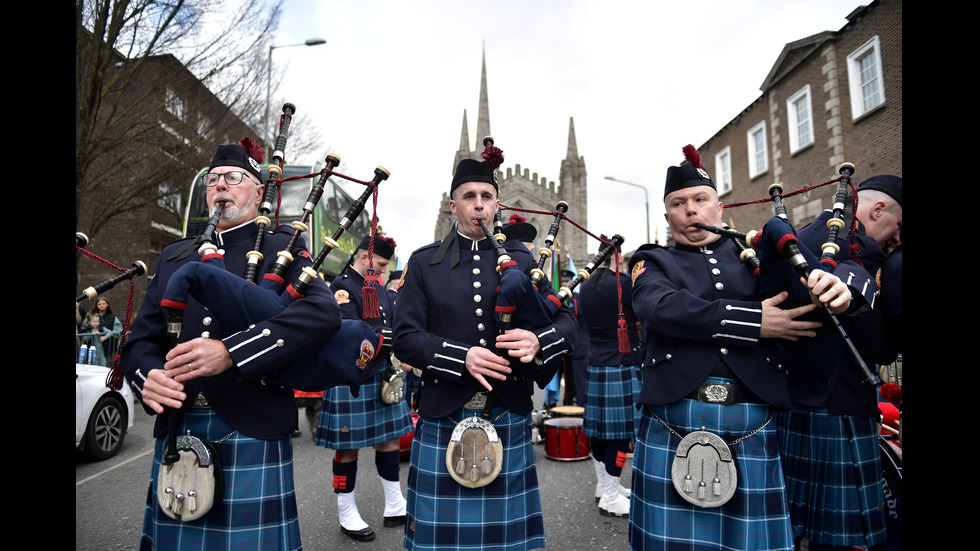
523	189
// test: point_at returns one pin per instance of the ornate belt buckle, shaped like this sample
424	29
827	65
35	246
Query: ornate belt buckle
716	393
474	455
478	401
703	470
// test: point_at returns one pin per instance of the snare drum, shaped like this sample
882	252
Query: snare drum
564	439
567	411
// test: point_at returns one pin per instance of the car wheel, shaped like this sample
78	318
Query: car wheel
106	429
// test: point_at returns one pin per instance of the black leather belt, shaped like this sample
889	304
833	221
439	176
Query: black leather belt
723	393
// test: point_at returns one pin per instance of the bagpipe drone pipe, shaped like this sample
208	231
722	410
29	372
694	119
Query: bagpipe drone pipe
780	259
114	379
519	302
351	355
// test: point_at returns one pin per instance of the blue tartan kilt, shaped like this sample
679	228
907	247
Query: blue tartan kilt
833	476
503	515
610	403
756	517
351	423
259	506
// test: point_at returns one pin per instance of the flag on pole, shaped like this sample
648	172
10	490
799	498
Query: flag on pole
556	266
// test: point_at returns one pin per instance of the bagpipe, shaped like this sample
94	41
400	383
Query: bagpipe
351	355
114	379
518	300
537	274
779	259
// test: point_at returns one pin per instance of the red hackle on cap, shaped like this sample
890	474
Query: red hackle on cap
692	156
390	241
516	218
252	149
494	156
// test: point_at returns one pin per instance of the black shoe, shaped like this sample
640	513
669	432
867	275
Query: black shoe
394	521
365	534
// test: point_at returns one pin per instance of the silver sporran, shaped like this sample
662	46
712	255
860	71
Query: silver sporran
703	470
475	454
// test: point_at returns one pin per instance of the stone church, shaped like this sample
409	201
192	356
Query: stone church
521	188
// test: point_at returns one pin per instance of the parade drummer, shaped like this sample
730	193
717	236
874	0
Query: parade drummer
473	379
348	423
706	467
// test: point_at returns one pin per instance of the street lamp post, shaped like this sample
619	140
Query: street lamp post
646	196
268	80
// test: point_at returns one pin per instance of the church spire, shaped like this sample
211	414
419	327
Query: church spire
464	138
483	118
572	152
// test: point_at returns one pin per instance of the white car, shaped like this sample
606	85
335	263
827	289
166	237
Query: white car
102	416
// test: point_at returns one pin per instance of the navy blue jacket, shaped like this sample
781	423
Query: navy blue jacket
700	306
240	395
443	310
599	304
845	393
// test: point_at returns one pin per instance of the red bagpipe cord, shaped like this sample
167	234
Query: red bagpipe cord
369	293
114	380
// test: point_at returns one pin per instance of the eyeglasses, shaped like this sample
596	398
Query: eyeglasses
232	178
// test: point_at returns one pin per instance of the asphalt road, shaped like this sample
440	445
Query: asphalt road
110	498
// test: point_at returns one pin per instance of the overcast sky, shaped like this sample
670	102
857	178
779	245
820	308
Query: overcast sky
640	78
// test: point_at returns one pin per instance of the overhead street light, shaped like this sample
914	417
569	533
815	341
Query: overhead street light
268	79
646	196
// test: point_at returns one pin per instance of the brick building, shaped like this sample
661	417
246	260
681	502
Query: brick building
519	187
832	97
161	126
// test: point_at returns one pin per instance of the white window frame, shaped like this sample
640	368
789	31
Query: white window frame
723	170
855	81
174	104
755	153
796	124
